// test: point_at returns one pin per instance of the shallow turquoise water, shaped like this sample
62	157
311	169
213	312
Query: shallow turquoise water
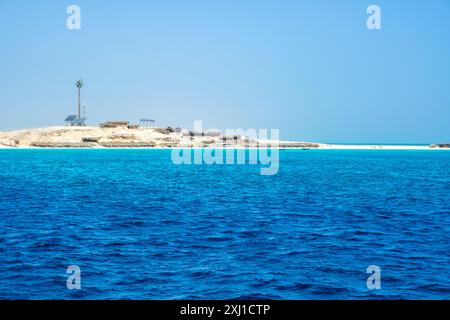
141	227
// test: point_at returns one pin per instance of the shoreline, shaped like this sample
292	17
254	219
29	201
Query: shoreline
122	136
327	147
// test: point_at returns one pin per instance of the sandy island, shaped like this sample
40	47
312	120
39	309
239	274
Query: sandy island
138	137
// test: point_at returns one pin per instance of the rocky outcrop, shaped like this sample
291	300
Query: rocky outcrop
119	135
91	139
127	144
441	145
62	145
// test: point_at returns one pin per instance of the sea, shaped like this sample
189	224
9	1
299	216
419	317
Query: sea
131	224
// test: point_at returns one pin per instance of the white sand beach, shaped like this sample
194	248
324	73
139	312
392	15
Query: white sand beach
377	147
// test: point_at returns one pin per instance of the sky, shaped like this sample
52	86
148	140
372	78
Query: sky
311	69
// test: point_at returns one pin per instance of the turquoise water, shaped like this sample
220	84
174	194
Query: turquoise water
140	227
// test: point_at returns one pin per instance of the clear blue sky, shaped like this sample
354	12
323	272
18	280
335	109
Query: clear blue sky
310	68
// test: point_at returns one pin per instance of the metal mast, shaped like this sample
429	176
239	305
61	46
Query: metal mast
79	84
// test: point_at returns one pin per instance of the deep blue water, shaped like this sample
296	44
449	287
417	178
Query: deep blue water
141	227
